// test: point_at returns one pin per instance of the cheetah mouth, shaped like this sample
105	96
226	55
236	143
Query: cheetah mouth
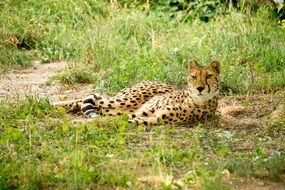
200	94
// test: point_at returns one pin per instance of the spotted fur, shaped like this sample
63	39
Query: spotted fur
151	103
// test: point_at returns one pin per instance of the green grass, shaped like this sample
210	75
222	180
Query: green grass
41	147
114	47
75	76
126	46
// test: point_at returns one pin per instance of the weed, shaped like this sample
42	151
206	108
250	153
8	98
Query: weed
75	76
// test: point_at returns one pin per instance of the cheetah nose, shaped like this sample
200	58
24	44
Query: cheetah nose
200	88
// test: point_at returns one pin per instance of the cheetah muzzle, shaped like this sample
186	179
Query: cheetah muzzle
152	103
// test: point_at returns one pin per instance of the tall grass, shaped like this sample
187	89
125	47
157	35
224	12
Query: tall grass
124	46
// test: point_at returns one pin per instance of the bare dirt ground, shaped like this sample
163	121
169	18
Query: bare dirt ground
33	81
242	113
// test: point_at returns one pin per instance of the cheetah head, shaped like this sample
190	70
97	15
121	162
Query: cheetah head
203	81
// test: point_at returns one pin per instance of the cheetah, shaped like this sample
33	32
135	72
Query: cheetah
152	103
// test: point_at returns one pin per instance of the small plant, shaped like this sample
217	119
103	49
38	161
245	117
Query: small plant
75	76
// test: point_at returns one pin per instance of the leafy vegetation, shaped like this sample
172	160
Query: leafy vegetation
115	45
42	147
125	46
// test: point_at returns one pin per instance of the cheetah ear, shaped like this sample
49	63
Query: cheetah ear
191	64
216	65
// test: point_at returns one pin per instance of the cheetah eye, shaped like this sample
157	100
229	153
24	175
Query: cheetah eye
209	76
194	77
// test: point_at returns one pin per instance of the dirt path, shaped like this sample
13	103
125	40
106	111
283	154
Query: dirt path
33	81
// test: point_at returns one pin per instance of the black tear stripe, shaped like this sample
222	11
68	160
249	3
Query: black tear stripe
217	79
209	88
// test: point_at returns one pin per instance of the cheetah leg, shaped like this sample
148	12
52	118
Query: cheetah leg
145	117
144	120
165	115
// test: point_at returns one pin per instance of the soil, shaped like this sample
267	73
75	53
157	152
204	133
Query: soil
34	81
242	113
